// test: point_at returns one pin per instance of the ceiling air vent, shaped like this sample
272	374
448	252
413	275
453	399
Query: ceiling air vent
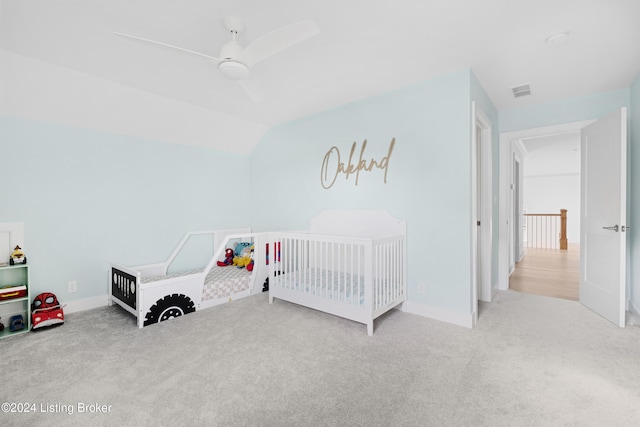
522	90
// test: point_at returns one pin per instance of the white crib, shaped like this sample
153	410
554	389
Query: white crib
350	264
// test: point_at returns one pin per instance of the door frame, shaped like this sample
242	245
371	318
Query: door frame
482	245
515	206
505	181
517	154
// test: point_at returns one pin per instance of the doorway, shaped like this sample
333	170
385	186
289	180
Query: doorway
603	184
512	154
547	203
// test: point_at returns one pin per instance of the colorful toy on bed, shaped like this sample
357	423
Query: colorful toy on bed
243	254
228	258
250	265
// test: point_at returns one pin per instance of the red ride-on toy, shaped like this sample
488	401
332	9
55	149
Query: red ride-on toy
46	311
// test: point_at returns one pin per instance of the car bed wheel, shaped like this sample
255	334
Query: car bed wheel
169	307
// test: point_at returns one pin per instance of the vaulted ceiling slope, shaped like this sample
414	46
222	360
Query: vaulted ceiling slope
363	48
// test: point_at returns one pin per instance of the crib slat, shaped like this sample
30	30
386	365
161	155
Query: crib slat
360	273
335	262
342	274
299	261
382	280
327	268
395	271
381	277
287	248
351	258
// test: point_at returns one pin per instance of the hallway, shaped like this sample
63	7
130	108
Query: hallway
549	272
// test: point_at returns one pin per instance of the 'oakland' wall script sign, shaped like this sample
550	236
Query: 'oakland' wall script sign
332	165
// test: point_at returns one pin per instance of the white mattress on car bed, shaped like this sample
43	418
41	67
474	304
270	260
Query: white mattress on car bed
333	285
221	282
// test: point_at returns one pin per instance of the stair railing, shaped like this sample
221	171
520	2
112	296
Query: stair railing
546	231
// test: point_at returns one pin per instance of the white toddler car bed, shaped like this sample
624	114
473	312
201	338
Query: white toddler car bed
350	264
153	294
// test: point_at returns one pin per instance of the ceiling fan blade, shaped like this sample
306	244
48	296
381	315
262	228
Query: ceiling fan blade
253	88
277	41
164	45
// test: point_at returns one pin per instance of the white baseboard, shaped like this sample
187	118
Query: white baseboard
634	311
86	304
440	314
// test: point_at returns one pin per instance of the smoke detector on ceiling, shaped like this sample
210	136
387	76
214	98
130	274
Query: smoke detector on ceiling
521	90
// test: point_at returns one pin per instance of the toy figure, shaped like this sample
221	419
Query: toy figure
228	258
17	256
46	311
16	323
250	265
244	257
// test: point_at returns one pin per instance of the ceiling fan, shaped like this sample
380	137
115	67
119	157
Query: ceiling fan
235	61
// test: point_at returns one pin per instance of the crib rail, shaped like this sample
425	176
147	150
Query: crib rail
328	268
362	272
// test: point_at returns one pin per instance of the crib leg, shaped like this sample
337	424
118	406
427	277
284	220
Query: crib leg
270	298
370	328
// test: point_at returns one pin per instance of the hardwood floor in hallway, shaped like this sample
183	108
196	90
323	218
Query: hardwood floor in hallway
549	272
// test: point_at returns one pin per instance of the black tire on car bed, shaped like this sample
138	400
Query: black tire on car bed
169	307
265	285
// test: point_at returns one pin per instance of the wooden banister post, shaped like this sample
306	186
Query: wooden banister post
563	229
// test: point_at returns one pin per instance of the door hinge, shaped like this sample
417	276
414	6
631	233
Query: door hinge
478	223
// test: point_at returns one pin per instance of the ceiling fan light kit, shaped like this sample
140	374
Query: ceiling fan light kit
235	61
234	70
557	38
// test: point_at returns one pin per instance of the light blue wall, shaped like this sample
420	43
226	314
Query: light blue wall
563	111
88	198
634	190
428	181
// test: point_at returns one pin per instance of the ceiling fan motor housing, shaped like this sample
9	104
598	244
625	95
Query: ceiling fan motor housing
230	50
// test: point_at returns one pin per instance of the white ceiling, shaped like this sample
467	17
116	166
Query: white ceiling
557	154
365	47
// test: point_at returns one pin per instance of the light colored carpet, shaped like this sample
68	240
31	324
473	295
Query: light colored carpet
531	361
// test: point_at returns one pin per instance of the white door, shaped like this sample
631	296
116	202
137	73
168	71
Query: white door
603	216
482	202
479	215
